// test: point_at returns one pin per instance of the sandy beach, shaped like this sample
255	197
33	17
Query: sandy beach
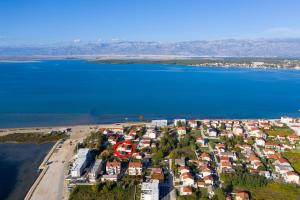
78	131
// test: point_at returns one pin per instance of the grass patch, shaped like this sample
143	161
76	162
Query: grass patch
32	137
274	131
294	158
276	191
196	133
204	149
104	191
186	152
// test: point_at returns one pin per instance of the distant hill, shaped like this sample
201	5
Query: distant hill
218	48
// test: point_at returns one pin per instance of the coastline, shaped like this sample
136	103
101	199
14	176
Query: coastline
193	61
76	128
60	155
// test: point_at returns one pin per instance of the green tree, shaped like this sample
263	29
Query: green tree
219	194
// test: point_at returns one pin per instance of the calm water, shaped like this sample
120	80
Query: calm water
73	92
18	168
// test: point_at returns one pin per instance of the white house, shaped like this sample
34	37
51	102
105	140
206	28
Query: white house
150	133
282	169
291	177
193	123
184	169
113	167
237	130
208	180
181	131
186	190
187	179
150	190
296	128
286	120
135	168
260	142
212	132
206	172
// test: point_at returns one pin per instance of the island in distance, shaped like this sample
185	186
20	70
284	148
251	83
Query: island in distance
260	53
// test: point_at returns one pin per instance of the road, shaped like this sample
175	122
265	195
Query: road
167	190
52	184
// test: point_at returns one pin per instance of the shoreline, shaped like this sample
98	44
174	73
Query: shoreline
275	63
61	154
41	129
46	129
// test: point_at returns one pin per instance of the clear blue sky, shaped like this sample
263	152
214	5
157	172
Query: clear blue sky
51	21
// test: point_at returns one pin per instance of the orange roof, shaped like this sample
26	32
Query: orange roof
242	195
114	163
225	164
156	170
292	173
209	177
187	175
184	167
135	164
220	146
283	160
254	158
187	189
294	136
199	138
224	158
132	131
272	156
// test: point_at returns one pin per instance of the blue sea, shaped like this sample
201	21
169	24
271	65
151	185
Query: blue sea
56	92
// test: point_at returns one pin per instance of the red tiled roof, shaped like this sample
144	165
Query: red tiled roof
135	164
187	189
243	195
292	173
114	163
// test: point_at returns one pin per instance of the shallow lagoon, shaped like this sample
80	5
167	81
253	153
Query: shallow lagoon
18	168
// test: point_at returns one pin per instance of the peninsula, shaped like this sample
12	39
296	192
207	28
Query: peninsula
183	159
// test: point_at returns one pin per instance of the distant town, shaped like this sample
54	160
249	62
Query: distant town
178	159
244	62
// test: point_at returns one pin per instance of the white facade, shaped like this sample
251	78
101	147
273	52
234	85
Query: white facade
260	142
159	123
286	120
212	132
150	190
78	167
295	127
150	133
80	162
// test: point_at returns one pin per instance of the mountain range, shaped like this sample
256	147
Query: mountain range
216	48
